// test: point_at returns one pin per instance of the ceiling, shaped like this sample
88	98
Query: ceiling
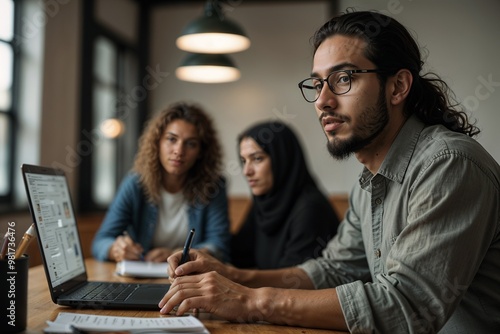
197	2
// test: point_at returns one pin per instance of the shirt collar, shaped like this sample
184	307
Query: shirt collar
398	157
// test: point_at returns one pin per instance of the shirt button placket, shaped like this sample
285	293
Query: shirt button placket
377	251
378	193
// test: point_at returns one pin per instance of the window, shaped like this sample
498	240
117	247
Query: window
115	70
7	98
21	66
113	99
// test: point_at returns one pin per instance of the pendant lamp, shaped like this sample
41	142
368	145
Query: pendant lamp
213	33
207	68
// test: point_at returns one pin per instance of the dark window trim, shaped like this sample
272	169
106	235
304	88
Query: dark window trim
6	200
91	30
84	186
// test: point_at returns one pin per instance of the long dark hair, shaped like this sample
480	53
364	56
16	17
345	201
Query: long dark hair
290	173
391	47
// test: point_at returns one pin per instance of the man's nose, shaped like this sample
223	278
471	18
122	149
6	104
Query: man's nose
326	99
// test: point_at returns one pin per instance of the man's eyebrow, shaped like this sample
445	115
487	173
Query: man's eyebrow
341	66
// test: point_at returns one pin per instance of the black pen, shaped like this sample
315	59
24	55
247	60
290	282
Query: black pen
187	247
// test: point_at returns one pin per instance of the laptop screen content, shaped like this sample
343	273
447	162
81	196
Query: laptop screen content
58	235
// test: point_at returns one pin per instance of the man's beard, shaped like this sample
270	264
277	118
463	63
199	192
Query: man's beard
373	120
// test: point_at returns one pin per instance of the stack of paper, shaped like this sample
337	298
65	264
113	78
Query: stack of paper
81	323
142	269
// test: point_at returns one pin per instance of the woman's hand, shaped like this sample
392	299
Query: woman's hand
159	254
124	248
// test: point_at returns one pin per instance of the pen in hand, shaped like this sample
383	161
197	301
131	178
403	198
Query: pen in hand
187	247
140	254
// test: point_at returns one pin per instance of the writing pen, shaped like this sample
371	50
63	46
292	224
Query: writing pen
28	235
126	234
187	247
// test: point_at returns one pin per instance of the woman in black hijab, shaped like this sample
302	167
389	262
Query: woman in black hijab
290	219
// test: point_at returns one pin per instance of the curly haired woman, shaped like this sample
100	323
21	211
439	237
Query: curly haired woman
175	185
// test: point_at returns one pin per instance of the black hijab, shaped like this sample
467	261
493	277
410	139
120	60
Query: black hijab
290	173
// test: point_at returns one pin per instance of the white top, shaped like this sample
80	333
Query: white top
172	226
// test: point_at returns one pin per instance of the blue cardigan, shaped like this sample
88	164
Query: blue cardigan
131	211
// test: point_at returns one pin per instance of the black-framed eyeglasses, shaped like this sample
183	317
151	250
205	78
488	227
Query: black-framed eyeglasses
339	83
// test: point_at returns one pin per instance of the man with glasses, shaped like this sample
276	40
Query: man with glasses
419	248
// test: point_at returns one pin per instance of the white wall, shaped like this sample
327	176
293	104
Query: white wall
61	89
461	37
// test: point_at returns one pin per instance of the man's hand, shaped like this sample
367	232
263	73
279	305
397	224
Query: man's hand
200	262
213	293
279	295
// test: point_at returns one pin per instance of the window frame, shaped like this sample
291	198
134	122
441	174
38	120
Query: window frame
92	30
7	199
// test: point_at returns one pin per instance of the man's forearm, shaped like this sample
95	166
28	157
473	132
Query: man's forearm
288	278
305	308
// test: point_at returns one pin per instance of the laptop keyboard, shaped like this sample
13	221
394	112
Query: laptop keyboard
104	291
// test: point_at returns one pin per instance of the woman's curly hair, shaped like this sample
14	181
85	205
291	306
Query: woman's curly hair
203	177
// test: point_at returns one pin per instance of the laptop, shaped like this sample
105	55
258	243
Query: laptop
52	211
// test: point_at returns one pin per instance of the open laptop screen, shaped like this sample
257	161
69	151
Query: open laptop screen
50	202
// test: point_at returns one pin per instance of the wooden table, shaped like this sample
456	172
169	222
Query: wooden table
41	307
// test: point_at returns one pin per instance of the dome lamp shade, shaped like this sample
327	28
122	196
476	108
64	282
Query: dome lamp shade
213	33
207	68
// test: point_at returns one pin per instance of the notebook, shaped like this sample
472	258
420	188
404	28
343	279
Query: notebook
142	269
52	211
